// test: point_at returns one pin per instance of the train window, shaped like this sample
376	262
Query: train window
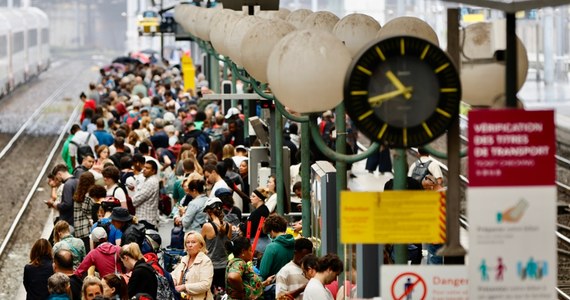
18	42
45	36
32	37
3	46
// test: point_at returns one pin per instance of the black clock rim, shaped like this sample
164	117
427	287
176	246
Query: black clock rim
394	135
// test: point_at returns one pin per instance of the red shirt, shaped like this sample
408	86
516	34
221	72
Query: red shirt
89	103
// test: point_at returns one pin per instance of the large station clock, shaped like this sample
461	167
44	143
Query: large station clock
403	90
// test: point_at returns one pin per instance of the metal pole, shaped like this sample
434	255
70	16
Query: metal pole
279	180
453	252
234	91
161	35
340	125
341	168
214	74
305	178
511	73
400	178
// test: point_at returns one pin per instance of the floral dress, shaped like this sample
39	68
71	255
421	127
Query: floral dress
252	283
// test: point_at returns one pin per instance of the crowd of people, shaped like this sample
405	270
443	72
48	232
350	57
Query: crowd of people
147	149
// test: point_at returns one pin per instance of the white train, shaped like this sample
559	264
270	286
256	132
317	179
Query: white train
24	46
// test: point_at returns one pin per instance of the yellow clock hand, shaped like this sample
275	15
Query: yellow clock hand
398	84
376	100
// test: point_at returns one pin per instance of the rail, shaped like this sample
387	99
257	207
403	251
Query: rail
33	116
39	178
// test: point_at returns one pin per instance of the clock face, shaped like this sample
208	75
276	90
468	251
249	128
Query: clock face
403	90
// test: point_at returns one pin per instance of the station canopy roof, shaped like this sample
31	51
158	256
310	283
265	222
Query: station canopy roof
512	6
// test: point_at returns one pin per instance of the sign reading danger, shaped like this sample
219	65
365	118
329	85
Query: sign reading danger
409	286
402	282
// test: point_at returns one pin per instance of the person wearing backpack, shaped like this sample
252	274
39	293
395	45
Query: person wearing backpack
111	177
81	144
425	165
143	278
131	232
113	234
104	256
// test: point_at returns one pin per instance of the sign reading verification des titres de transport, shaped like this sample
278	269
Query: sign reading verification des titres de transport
511	205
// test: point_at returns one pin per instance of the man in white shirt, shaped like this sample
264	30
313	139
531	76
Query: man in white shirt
214	174
290	280
111	176
433	167
147	197
328	269
81	138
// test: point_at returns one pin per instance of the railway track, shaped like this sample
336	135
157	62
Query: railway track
40	176
30	147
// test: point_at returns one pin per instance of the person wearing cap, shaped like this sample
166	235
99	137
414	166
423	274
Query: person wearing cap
122	220
193	215
228	202
105	256
234	135
326	126
217	233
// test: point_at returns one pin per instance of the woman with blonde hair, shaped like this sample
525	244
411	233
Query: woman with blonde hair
194	274
92	286
143	278
228	151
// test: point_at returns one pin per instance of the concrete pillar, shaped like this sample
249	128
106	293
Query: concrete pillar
548	44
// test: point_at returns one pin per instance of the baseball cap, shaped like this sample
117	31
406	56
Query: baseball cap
213	203
241	147
98	234
222	192
232	112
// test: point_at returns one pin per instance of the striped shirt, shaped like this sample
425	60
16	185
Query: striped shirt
289	279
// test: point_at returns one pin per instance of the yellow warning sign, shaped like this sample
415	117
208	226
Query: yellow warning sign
189	72
392	217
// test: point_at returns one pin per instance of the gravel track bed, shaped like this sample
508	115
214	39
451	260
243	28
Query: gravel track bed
22	164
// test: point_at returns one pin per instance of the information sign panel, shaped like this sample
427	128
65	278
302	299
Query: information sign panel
392	217
512	205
